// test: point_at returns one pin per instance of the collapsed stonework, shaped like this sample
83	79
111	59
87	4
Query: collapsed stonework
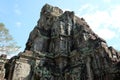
3	60
62	46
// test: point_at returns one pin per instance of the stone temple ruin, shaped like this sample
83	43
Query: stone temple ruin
62	46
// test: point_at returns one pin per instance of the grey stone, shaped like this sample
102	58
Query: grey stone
62	46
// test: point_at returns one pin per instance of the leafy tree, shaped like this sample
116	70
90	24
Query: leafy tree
7	44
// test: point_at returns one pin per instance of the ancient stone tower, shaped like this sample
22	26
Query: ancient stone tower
63	47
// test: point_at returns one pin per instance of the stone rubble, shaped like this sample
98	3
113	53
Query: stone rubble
3	60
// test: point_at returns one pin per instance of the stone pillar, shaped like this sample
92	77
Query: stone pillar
89	69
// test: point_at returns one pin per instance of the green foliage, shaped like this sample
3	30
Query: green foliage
7	44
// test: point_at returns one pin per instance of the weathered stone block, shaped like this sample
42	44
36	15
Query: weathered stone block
62	46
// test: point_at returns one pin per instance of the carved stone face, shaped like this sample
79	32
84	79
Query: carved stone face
45	22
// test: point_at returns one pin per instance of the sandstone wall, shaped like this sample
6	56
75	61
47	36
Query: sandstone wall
62	46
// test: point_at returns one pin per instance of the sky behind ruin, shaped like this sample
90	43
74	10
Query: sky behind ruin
21	16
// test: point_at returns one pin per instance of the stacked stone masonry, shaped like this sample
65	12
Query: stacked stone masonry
62	46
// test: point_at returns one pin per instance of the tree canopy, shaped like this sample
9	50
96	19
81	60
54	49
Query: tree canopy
7	43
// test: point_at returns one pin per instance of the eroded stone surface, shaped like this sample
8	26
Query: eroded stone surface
2	66
63	47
